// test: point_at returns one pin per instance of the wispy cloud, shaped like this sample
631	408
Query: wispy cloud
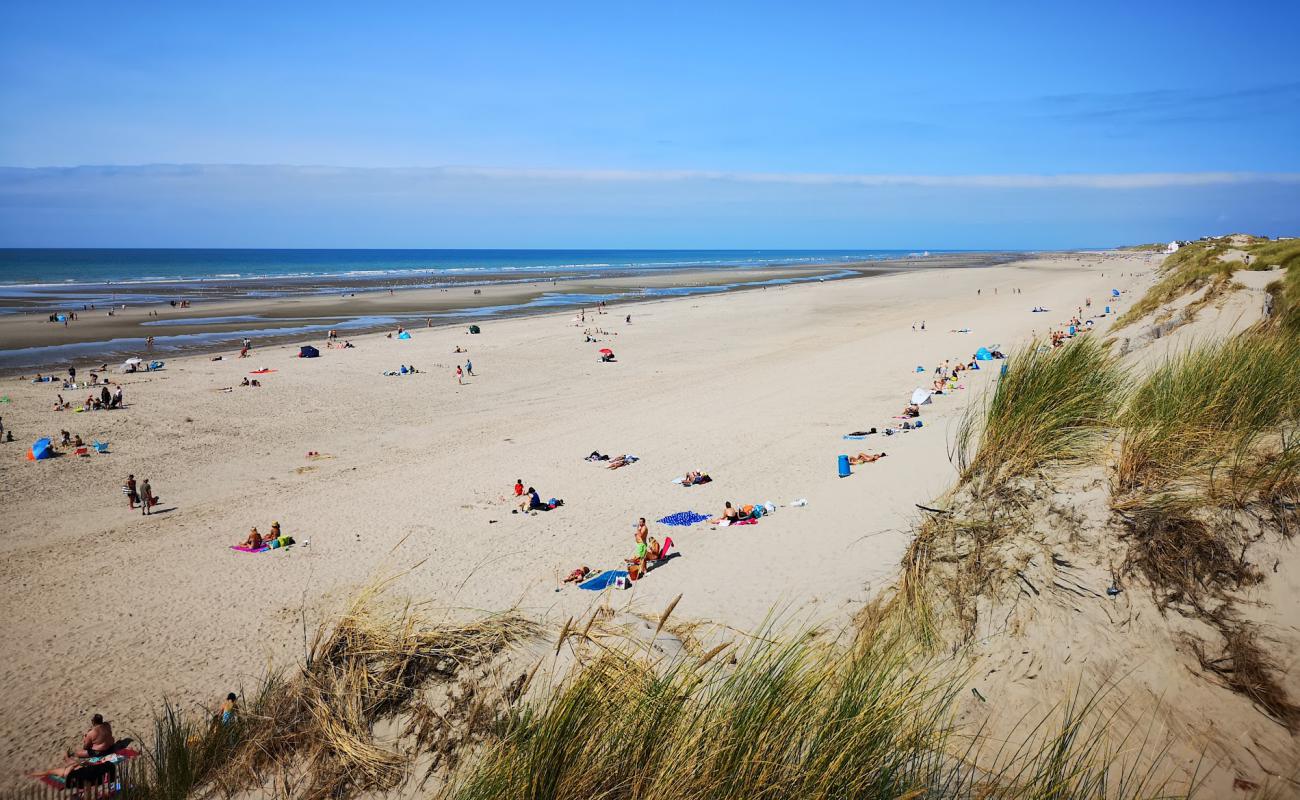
1169	105
1101	181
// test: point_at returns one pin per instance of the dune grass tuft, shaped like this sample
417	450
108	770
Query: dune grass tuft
1206	413
1050	408
792	718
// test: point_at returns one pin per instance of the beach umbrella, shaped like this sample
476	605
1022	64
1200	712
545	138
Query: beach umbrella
605	351
42	449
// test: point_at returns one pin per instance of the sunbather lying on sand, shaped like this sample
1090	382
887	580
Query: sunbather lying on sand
621	461
56	772
865	458
695	478
578	575
912	410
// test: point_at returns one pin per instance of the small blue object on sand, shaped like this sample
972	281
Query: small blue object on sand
683	518
604	580
844	466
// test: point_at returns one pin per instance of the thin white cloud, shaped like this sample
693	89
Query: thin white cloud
1143	180
1136	180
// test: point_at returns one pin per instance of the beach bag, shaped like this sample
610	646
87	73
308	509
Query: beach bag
747	511
284	541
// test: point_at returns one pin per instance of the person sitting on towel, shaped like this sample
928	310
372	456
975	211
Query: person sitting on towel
531	501
729	514
254	540
864	458
98	741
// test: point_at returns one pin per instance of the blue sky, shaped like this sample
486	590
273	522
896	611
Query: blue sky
671	125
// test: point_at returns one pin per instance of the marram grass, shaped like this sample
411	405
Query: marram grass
800	719
1049	409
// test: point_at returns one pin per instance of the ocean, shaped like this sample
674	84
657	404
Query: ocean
90	267
37	285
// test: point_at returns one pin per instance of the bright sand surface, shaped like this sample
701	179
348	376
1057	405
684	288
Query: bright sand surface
110	611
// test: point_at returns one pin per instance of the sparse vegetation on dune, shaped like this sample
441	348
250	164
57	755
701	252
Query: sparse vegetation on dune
1209	464
1199	264
309	732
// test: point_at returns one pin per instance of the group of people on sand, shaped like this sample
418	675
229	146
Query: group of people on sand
530	500
255	540
141	495
97	742
647	554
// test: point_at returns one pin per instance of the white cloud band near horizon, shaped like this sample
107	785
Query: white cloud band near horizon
234	205
1135	180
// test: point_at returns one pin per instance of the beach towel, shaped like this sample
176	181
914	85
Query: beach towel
241	548
683	518
155	365
604	580
261	371
750	521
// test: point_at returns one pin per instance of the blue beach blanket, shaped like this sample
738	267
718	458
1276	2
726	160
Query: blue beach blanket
683	518
604	580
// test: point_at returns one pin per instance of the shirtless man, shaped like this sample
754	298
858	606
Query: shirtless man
146	498
98	741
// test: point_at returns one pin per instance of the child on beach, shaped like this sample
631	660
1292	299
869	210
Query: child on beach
460	375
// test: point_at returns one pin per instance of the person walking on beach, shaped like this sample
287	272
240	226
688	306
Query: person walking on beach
146	498
459	375
128	489
469	368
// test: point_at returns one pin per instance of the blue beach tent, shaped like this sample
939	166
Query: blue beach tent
983	354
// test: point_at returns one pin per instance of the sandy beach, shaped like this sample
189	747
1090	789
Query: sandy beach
112	611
